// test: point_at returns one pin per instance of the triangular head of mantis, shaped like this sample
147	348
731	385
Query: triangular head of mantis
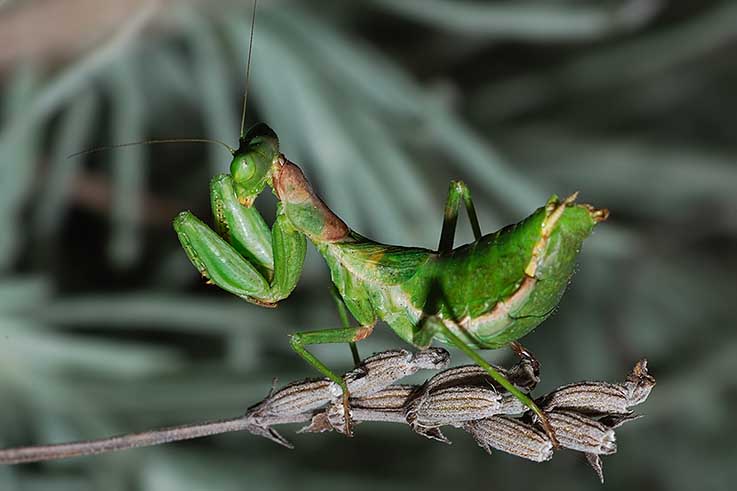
252	163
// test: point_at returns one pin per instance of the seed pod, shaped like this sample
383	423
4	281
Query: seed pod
602	397
385	368
639	383
588	398
294	400
511	436
578	432
453	405
522	375
386	405
509	404
431	359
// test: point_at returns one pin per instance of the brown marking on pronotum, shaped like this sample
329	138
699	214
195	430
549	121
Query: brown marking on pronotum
363	332
291	187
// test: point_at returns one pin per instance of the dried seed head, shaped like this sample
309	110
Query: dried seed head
588	398
392	399
386	405
639	383
511	436
466	375
521	375
383	369
578	432
295	399
453	405
431	359
602	397
509	404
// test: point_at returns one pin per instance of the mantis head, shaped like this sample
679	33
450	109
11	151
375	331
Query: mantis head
253	161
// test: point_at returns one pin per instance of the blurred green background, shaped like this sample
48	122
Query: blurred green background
106	328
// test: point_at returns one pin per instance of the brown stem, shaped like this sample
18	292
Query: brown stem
39	453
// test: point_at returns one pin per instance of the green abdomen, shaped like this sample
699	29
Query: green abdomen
485	287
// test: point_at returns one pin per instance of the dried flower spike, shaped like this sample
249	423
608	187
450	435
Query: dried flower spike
511	436
521	375
383	369
581	433
451	406
602	397
387	405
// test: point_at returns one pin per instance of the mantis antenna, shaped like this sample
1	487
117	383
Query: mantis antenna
248	70
153	142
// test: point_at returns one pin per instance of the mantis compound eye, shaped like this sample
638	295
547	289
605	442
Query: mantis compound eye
252	162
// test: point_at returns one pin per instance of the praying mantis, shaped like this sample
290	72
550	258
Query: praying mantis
484	295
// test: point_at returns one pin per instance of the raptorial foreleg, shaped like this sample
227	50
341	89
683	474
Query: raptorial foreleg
245	259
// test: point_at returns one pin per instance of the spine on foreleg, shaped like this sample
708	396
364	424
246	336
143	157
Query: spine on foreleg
304	208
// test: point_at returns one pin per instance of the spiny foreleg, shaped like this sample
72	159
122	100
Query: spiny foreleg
245	259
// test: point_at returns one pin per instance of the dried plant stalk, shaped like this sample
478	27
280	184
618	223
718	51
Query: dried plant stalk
583	415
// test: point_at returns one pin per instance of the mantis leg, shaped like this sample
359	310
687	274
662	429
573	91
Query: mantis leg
457	191
343	314
434	325
340	335
246	259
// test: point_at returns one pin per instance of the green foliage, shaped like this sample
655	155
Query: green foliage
105	328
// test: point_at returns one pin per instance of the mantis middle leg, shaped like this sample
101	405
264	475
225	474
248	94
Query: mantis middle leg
340	335
459	191
343	314
433	324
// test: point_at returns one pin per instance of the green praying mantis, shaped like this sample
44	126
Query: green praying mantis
483	295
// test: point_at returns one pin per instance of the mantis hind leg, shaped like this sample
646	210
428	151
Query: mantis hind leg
456	192
340	335
434	325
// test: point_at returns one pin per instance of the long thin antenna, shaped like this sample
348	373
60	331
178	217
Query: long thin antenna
152	142
248	71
